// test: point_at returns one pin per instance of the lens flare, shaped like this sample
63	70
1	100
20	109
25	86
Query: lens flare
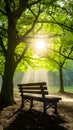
40	45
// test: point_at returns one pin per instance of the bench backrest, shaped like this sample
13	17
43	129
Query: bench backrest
33	88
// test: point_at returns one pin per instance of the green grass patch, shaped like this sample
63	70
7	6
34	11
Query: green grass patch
55	89
68	89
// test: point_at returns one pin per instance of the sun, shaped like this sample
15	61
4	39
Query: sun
39	47
40	44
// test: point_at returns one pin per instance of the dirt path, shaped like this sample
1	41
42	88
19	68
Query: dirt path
11	118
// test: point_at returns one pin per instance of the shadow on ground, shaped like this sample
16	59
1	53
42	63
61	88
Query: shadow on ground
34	120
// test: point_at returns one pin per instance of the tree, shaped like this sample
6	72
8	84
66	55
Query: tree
60	20
58	56
18	19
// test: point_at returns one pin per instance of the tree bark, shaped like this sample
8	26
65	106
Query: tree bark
61	80
7	86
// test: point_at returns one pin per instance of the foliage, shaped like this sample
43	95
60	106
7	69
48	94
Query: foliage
56	16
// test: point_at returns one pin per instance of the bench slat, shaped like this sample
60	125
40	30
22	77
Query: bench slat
33	91
39	98
33	84
35	87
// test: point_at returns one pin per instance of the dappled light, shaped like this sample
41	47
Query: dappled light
67	97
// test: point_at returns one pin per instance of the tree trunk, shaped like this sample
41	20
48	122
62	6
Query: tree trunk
7	86
61	81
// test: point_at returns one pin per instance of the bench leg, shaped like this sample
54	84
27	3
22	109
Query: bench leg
44	107
55	107
22	105
23	102
31	105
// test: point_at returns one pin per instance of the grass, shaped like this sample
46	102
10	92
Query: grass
56	89
69	89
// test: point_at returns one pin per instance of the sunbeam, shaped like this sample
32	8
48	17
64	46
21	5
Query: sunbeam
36	76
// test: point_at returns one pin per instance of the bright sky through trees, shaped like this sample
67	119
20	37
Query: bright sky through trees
39	47
40	44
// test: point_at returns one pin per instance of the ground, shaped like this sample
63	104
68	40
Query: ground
13	118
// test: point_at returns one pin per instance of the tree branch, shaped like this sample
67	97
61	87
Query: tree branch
24	37
58	23
35	2
7	7
2	12
67	57
19	58
38	36
31	11
23	5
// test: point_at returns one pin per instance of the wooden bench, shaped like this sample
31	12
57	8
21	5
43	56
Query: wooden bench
38	91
